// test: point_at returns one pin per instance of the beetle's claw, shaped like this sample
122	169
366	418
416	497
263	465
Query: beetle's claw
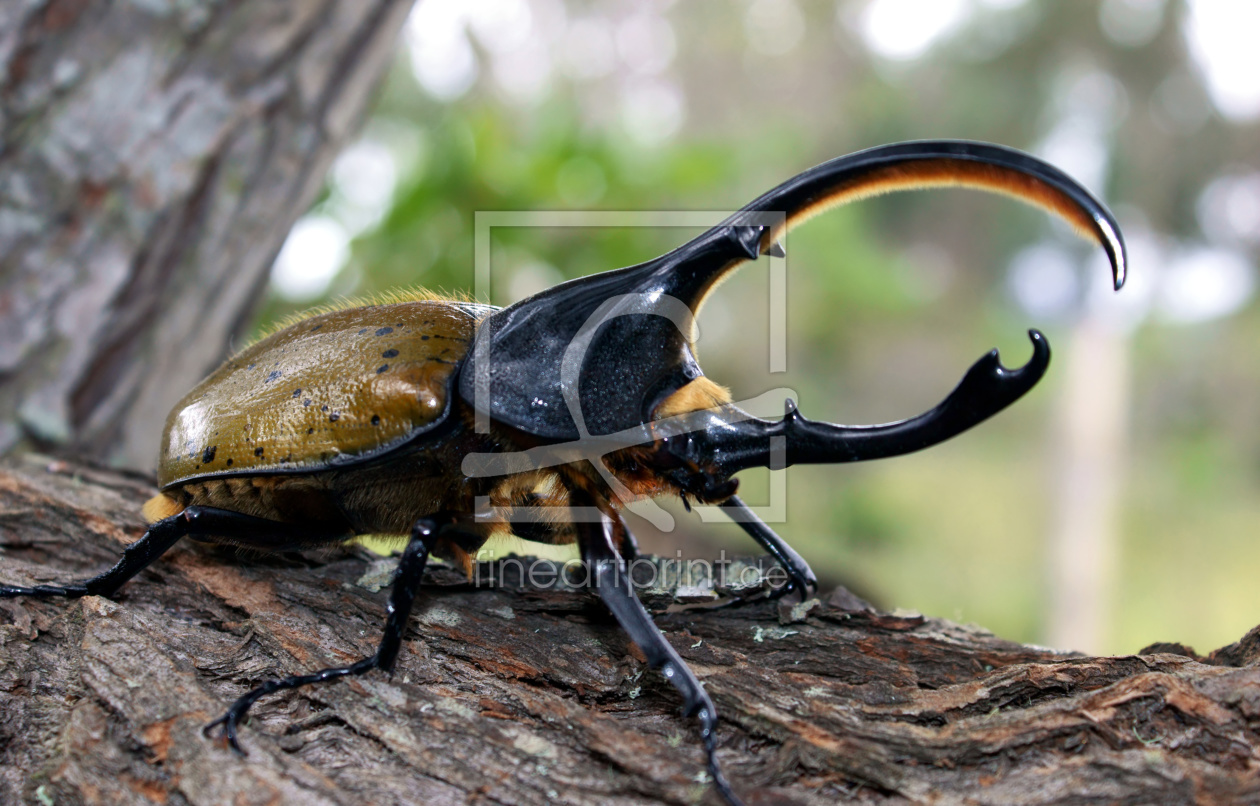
228	722
807	586
212	725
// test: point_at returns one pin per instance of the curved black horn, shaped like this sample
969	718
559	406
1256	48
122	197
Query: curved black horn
739	442
925	164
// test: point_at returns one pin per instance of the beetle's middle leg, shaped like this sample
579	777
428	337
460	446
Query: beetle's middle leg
610	576
424	537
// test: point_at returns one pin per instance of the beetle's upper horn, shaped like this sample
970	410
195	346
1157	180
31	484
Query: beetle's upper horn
636	350
943	163
756	229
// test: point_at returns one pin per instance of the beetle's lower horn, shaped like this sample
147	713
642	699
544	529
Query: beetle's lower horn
986	389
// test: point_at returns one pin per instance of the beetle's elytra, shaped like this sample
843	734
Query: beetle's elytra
448	421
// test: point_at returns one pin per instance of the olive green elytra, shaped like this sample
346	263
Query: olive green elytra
333	388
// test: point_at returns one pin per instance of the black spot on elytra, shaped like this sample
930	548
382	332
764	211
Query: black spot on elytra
376	419
306	402
364	330
297	392
310	430
389	354
382	368
251	366
424	338
229	461
398	324
317	327
271	376
334	417
324	407
207	456
258	451
385	331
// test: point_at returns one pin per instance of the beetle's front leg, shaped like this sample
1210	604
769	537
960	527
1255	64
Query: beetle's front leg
424	536
685	469
801	576
611	578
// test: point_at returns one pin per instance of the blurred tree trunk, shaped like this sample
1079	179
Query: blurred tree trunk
528	695
153	156
1089	445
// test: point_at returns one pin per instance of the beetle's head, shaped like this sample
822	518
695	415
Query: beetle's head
609	357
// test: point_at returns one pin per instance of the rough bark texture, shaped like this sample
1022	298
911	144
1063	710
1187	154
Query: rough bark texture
529	696
152	157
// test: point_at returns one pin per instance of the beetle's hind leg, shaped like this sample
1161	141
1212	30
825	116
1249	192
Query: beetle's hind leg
801	577
611	577
424	537
192	522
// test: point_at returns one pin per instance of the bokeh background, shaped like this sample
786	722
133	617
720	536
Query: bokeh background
1115	506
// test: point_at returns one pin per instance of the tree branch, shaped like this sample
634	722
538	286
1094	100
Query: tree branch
530	696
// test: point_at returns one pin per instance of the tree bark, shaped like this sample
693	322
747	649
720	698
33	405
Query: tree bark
153	155
525	695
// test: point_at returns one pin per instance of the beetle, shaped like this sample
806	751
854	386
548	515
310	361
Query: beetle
450	421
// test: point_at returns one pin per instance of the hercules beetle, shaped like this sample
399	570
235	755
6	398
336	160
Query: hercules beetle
451	421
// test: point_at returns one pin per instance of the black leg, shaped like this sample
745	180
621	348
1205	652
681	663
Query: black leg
628	546
193	522
801	575
424	536
610	576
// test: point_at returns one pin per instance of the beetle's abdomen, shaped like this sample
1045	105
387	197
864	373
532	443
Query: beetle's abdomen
327	390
